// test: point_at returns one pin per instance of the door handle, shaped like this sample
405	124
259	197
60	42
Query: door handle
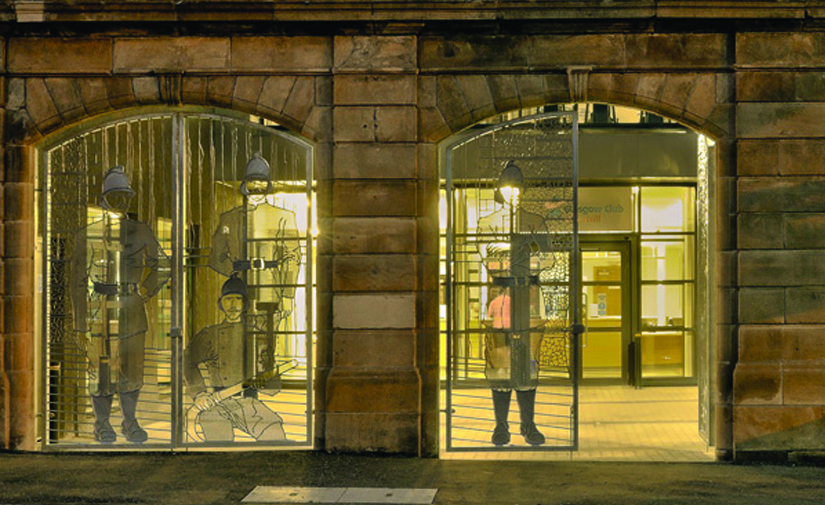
585	315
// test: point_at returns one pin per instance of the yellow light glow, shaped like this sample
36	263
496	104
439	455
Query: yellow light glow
510	194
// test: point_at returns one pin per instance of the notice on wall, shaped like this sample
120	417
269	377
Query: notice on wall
605	209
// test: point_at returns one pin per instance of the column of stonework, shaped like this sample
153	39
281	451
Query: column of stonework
779	381
17	272
373	390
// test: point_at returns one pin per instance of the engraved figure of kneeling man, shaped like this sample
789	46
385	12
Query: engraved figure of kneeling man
227	351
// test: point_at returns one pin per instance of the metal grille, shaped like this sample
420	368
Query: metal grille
511	193
128	288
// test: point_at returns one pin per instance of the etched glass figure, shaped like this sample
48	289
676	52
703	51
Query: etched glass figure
226	351
117	266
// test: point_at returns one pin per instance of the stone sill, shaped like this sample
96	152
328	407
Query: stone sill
394	10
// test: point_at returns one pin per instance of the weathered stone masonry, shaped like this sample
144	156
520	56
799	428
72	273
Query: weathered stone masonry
376	105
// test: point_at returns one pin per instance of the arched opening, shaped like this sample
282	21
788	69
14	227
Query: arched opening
636	384
174	258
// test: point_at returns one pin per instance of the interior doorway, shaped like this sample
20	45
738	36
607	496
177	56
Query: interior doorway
639	370
606	301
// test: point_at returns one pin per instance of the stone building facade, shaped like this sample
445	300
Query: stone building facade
376	87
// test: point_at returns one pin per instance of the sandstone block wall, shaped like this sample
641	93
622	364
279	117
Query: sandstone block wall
376	106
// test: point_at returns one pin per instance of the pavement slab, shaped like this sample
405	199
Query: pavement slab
204	478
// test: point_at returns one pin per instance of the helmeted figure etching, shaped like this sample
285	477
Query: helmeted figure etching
261	242
227	350
117	266
514	235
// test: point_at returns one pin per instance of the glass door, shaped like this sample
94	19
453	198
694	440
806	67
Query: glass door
512	319
177	285
606	311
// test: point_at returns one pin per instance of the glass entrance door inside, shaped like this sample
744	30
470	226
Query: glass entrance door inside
606	311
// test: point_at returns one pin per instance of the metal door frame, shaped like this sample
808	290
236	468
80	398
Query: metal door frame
624	245
575	329
179	201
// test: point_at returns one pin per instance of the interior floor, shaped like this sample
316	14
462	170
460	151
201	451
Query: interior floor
617	423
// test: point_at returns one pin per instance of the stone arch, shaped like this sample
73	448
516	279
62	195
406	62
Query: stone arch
38	107
700	100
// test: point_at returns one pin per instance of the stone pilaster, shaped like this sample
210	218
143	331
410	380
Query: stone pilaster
373	393
778	403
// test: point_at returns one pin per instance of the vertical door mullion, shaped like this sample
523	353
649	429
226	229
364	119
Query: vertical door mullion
576	288
176	332
308	297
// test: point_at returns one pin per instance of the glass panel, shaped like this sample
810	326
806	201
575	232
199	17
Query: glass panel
601	266
662	305
248	224
663	354
108	309
667	260
510	242
608	209
602	354
667	209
